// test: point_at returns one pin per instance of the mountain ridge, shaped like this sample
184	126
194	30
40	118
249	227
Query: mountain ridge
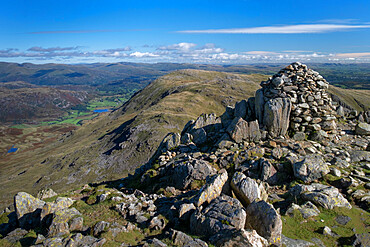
285	156
96	152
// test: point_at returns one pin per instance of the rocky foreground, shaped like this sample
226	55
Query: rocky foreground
288	167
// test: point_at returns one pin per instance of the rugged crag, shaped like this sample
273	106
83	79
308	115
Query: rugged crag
250	177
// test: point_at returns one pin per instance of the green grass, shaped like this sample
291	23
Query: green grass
298	228
4	218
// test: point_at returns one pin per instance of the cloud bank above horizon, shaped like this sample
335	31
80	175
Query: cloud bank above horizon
179	52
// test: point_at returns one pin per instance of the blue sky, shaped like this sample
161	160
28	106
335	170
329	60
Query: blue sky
231	32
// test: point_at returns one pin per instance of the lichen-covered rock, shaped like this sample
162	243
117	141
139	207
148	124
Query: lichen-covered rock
311	168
289	242
28	209
91	241
212	188
241	130
361	240
154	243
246	189
223	213
262	217
16	235
59	224
268	173
51	207
179	238
236	238
360	155
322	195
362	129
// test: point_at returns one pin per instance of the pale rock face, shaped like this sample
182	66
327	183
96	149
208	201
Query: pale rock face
246	189
262	217
276	116
212	189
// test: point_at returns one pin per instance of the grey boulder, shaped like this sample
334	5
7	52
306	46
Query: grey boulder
362	129
311	168
322	195
240	130
246	189
262	217
223	213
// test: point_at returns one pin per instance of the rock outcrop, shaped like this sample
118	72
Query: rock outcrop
295	97
226	179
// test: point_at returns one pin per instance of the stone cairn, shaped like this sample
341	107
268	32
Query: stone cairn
292	103
302	92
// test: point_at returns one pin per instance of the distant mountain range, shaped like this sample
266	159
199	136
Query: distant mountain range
138	75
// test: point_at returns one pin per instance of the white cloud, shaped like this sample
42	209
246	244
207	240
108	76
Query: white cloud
354	55
180	47
287	29
181	52
260	52
143	54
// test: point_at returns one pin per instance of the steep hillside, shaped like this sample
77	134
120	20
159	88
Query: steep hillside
111	146
358	100
23	102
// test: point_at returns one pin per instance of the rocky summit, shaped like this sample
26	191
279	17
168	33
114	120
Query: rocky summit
287	167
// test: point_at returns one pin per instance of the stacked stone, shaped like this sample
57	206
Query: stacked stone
312	110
